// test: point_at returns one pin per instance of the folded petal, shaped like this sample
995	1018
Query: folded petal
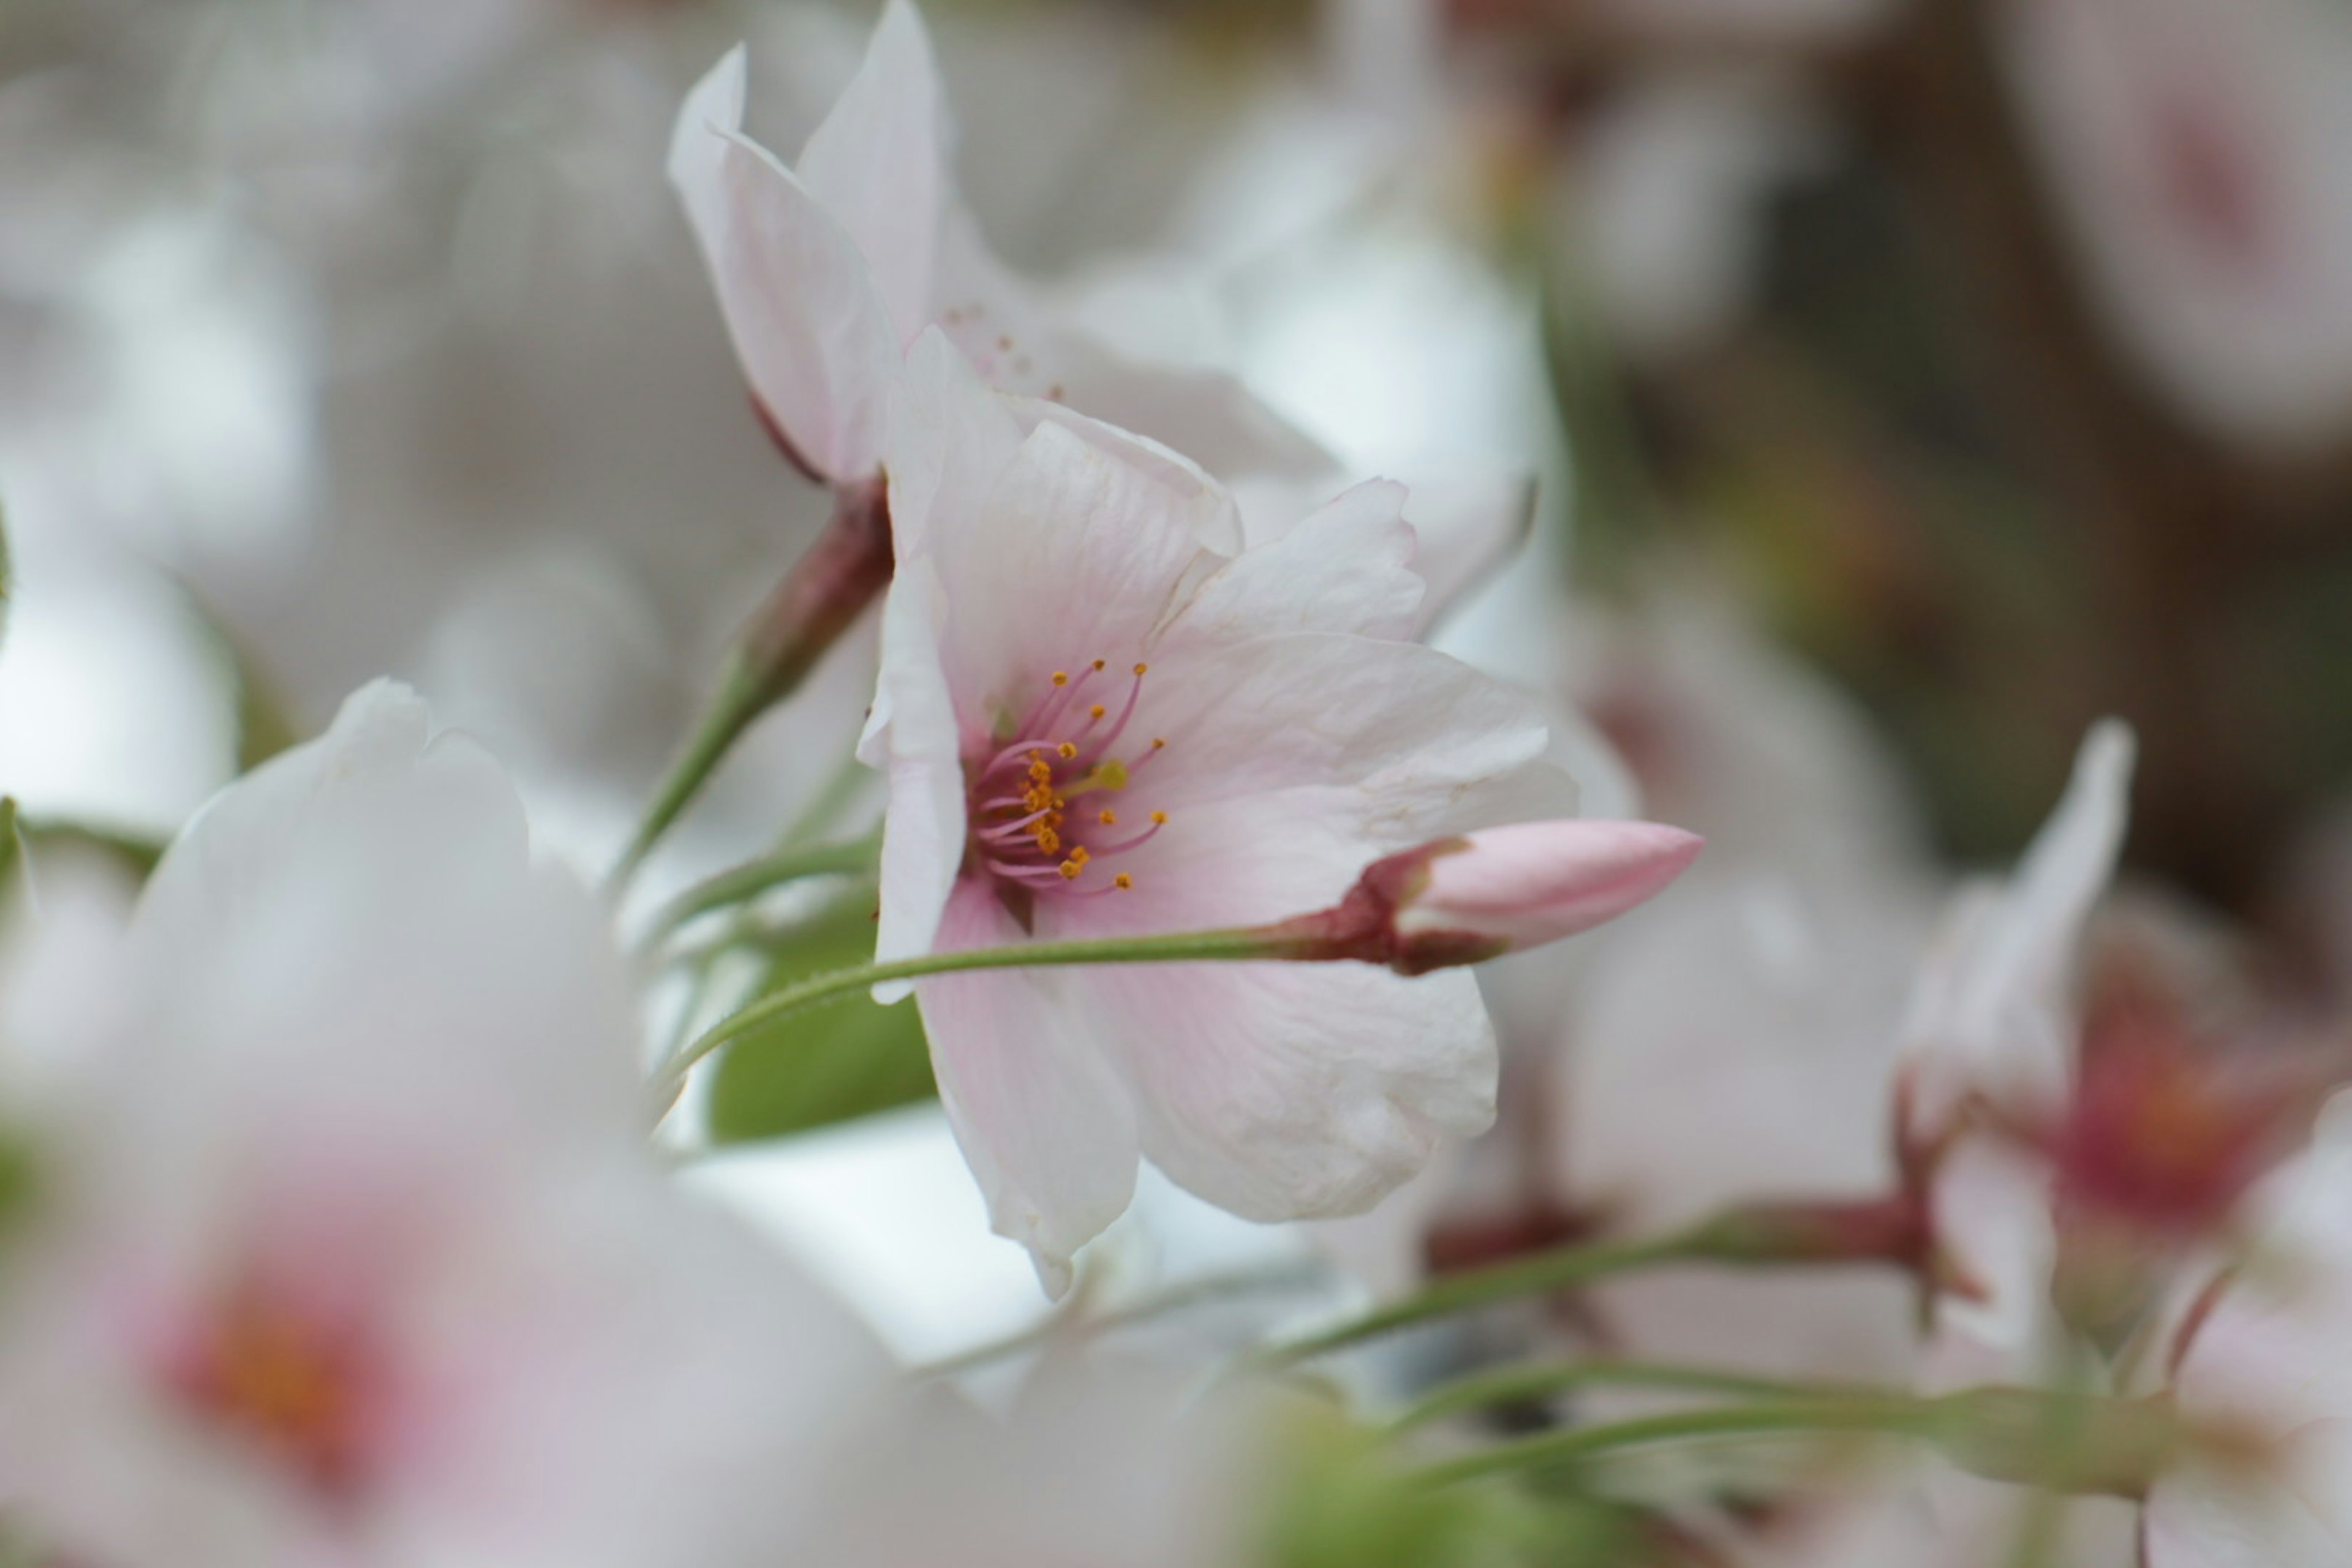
1349	567
878	162
1043	1118
801	302
923	830
1205	413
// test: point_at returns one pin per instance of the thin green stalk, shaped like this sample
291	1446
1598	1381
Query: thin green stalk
748	882
1176	947
1895	1415
1517	1384
1538	1274
742	697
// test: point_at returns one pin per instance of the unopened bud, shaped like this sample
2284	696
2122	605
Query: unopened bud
1470	898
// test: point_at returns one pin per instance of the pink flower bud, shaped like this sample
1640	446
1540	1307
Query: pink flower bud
1536	882
1467	900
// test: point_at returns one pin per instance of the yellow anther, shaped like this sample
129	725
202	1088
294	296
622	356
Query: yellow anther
1159	819
1099	664
1122	881
1070	869
1067	750
1079	856
1048	841
1141	669
1061	678
1158	743
1107	818
1097	711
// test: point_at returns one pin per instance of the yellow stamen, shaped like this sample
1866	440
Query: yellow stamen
1070	869
1107	818
1142	669
1098	665
1159	819
1122	881
1061	678
1067	751
1158	743
1097	711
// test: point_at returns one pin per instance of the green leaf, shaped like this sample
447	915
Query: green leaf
849	1059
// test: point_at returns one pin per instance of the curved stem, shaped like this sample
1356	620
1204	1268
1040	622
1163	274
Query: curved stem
1515	1384
1176	947
1543	1272
741	699
748	882
1893	1415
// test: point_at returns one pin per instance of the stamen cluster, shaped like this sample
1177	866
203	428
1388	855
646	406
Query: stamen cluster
1023	828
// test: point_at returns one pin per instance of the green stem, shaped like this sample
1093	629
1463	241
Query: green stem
749	880
742	697
1176	947
1892	1415
1517	1384
820	597
1542	1273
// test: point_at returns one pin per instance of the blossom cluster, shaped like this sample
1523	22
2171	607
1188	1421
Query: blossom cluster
350	1209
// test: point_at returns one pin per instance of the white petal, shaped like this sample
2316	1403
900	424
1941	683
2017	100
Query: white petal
1075	555
1204	413
878	162
811	328
1286	1092
1349	567
923	830
1043	1119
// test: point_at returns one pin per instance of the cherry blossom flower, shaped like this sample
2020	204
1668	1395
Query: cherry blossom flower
2264	1356
827	271
2194	147
1103	714
352	1252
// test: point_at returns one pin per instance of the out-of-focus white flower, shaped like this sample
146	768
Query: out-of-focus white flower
1993	1015
352	1252
1101	714
1739	1041
1096	1463
2197	150
828	270
2269	1361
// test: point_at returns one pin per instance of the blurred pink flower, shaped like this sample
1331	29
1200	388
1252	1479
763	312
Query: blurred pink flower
1103	714
352	1252
2267	1356
2195	148
828	270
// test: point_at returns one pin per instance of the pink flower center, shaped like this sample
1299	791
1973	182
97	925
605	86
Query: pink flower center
300	1387
1042	817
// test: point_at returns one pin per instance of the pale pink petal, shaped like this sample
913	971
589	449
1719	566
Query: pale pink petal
813	332
1074	556
1044	1121
1348	567
1289	1091
1469	530
1991	1013
1392	732
878	163
1205	413
950	437
1214	517
923	830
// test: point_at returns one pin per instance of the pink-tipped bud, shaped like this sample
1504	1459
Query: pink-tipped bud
1467	900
